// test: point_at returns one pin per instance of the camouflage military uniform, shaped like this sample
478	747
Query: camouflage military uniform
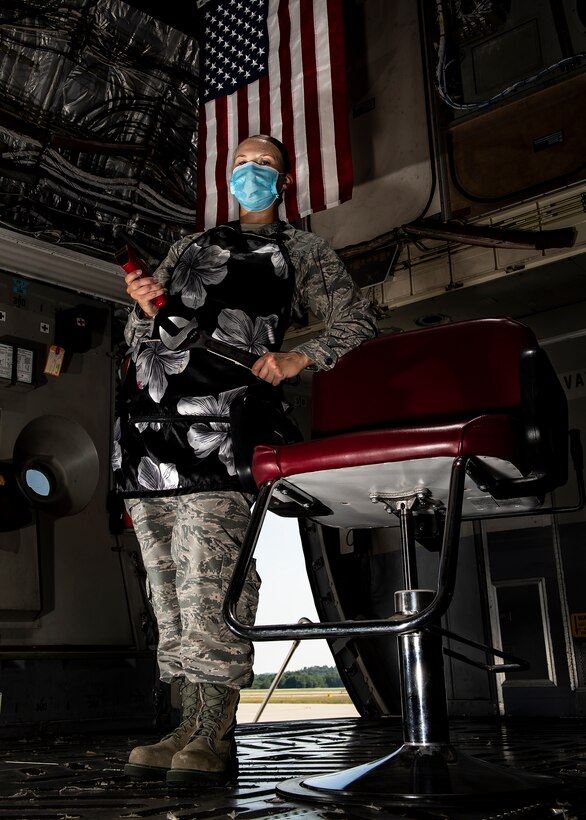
190	541
189	546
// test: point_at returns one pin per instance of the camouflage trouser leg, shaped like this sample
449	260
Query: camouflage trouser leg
189	545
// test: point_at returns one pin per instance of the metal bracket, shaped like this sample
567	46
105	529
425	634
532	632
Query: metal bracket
418	499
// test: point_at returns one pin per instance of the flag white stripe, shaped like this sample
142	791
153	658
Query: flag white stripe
253	108
298	102
326	108
275	70
232	145
211	151
275	99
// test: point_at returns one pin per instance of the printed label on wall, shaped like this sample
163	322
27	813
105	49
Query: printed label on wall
574	383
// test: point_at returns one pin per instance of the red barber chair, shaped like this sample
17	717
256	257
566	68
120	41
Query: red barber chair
462	421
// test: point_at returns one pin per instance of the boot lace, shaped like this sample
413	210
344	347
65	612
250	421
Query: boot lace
190	705
212	713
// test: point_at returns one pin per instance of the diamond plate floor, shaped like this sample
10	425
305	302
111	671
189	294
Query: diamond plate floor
65	778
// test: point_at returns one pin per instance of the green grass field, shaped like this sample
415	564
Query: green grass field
296	696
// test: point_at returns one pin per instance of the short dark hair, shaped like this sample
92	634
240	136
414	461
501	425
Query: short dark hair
278	145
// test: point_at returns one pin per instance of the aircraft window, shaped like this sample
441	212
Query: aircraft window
38	482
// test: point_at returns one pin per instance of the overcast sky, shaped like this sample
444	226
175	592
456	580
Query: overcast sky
285	597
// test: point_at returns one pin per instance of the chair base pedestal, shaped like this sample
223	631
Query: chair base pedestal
420	774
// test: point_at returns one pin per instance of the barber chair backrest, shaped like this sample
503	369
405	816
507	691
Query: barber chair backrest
448	374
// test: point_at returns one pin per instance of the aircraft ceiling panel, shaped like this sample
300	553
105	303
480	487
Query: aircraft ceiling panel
98	124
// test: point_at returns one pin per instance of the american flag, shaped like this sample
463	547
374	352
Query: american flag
274	67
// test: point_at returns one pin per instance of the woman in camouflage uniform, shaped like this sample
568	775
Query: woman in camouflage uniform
240	283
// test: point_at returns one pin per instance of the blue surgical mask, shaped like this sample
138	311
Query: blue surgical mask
254	185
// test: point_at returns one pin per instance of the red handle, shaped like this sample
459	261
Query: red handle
130	262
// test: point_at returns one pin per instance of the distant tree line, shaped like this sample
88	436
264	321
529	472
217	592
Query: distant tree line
311	677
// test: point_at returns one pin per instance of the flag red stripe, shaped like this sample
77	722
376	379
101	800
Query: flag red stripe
287	137
340	96
242	108
310	93
264	92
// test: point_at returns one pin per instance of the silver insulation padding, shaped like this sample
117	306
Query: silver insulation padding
98	125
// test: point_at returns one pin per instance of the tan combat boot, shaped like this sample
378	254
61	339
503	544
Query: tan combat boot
154	761
210	755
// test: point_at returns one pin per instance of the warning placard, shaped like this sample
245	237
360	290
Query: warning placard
578	624
6	357
54	360
24	365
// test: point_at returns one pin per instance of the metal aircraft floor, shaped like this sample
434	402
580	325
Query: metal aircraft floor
70	777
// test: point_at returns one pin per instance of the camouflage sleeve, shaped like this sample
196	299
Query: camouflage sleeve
325	287
139	326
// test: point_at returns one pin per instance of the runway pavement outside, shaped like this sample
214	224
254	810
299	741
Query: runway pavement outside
294	711
295	704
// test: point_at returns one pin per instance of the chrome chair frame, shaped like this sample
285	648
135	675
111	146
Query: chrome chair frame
427	768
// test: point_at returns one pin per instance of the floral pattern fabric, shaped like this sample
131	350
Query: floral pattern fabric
238	329
173	434
198	268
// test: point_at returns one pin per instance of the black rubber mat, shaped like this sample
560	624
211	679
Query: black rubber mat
70	777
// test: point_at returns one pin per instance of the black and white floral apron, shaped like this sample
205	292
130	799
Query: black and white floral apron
172	434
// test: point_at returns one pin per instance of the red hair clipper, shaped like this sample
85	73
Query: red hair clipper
129	261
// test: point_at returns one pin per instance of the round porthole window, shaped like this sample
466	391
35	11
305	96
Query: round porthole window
38	482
